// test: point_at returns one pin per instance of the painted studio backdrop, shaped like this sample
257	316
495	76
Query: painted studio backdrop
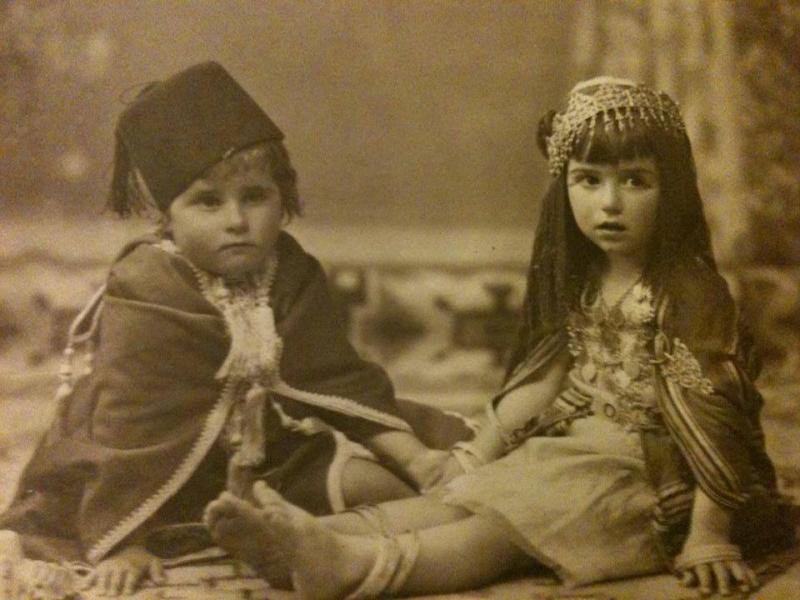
412	125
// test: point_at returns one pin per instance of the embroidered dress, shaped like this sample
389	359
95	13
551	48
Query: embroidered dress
581	502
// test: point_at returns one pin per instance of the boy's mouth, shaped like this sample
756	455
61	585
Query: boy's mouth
237	246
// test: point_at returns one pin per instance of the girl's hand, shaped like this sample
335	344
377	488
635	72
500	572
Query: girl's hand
715	567
123	572
709	561
450	469
427	468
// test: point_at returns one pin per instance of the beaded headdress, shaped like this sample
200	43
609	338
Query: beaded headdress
618	102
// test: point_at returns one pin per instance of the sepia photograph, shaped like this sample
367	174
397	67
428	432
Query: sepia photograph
327	299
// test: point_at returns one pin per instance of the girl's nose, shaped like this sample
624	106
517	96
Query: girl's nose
610	201
235	217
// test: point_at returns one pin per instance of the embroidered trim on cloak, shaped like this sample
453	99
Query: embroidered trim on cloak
214	423
341	405
683	368
690	437
253	359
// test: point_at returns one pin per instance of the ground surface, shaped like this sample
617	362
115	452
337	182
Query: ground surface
26	407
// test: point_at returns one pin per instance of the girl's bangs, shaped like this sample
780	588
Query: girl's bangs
611	142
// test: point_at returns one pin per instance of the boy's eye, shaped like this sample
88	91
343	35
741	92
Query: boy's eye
254	195
207	200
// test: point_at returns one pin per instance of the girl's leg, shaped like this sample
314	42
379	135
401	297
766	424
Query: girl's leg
396	516
327	564
462	555
240	531
368	482
448	558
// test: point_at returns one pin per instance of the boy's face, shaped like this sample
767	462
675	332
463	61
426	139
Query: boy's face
228	221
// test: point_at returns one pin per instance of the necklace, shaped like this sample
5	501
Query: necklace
608	309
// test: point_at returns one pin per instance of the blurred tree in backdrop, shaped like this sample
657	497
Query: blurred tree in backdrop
52	55
768	36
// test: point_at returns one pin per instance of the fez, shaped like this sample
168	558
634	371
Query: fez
177	128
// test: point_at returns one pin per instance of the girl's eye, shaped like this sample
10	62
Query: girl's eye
636	181
585	179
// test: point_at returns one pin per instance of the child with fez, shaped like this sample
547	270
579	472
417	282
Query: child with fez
218	358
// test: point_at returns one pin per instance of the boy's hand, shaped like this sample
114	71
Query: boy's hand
123	572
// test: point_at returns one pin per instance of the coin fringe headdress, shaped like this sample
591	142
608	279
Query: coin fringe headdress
616	103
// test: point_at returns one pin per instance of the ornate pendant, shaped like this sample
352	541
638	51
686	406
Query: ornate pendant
621	379
631	368
589	372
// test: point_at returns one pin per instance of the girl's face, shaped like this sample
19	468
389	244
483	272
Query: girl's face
615	204
228	221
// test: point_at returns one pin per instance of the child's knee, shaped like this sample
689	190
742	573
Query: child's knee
365	481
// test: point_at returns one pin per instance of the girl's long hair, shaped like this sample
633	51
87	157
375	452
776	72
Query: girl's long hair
563	257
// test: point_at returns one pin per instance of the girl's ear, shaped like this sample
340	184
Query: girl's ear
544	131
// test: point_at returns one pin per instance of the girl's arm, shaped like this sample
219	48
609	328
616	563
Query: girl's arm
419	463
708	559
427	467
514	410
518	407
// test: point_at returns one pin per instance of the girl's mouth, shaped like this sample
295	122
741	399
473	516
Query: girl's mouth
611	226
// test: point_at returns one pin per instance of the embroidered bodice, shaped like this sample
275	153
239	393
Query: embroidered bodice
612	358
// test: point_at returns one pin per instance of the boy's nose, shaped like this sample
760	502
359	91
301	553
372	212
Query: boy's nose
235	217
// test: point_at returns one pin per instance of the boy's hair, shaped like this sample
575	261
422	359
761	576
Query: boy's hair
272	156
176	129
563	256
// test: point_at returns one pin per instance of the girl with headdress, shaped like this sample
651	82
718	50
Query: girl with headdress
217	356
626	439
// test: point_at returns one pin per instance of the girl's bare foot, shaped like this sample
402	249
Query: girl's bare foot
325	565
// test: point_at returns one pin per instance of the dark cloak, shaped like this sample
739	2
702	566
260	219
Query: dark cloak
136	428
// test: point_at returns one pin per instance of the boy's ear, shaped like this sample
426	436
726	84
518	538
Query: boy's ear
164	224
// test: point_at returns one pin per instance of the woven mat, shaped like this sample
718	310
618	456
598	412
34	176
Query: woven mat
224	579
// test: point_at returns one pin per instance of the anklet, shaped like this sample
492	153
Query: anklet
375	518
393	564
380	576
706	553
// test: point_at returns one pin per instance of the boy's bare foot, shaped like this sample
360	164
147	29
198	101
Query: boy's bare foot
325	565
